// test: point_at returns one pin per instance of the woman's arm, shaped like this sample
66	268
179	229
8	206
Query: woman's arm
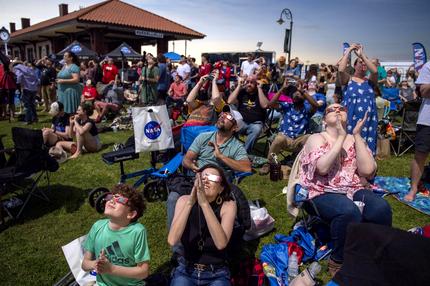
220	232
81	130
73	80
180	218
194	93
366	165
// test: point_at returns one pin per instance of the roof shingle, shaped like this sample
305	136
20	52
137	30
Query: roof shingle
117	13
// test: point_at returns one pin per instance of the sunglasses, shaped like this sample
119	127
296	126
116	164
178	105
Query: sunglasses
212	178
336	108
117	199
228	116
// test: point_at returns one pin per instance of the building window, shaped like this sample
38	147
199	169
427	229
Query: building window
30	54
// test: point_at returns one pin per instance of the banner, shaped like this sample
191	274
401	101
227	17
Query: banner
345	47
420	57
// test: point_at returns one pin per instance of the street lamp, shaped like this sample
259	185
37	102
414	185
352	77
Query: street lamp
288	33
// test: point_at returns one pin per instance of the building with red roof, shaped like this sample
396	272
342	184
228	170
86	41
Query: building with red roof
101	27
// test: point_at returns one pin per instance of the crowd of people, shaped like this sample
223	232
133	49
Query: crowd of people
330	114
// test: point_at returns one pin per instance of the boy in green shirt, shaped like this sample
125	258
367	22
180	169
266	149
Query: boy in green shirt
116	248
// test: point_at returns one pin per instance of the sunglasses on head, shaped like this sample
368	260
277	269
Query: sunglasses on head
212	178
117	199
335	108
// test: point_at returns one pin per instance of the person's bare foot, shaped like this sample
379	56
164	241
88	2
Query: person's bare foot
76	155
409	197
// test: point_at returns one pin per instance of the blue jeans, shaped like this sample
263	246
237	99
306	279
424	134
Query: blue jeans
184	275
339	211
252	130
28	98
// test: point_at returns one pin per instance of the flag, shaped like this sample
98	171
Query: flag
345	47
420	57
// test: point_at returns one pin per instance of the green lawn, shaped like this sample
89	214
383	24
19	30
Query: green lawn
31	248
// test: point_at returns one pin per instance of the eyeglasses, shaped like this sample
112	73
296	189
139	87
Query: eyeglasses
336	108
212	178
117	199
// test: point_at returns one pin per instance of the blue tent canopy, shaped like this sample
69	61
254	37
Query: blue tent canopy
173	56
80	50
127	51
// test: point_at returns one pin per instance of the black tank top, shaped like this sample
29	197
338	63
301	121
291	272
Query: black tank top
209	254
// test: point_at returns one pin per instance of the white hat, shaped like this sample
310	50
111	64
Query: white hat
236	115
55	109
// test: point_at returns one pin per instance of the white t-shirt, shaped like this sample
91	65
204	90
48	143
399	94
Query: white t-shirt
248	68
424	78
183	69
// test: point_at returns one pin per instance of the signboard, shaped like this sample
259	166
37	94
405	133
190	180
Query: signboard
149	34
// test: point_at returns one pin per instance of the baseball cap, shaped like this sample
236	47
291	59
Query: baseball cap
236	115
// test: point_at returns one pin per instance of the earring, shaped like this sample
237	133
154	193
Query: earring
218	200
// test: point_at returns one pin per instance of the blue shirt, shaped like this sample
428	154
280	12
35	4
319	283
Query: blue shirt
164	80
317	97
26	77
294	122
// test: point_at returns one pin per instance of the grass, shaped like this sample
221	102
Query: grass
31	248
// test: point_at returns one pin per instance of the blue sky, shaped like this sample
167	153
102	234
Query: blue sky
386	28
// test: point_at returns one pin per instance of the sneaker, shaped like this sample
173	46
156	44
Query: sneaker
264	170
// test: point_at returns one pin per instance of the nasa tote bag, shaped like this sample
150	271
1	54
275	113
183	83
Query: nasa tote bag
152	129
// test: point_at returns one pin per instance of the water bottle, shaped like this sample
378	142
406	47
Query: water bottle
314	269
307	276
293	266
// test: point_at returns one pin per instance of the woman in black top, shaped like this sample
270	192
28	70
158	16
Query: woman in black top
203	223
85	131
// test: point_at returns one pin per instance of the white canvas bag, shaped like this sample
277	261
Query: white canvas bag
152	129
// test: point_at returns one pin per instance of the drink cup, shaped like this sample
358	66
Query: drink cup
115	128
360	205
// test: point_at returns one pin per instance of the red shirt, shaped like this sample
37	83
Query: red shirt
89	93
109	73
7	80
178	90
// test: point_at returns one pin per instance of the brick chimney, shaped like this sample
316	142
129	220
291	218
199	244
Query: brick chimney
64	9
25	23
12	27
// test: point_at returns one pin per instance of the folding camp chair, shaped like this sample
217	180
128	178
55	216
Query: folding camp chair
29	159
407	130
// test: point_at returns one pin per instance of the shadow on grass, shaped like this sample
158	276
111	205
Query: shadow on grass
71	198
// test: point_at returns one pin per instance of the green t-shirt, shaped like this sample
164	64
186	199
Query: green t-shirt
126	247
232	148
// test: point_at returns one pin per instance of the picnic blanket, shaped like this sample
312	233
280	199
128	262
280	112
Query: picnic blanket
399	187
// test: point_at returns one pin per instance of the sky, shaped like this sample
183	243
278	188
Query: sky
386	28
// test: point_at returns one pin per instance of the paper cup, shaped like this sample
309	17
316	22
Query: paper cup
360	205
115	128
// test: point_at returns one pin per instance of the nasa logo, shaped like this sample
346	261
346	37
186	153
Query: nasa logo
125	50
76	49
152	130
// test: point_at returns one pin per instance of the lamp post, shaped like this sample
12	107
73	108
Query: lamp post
288	33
